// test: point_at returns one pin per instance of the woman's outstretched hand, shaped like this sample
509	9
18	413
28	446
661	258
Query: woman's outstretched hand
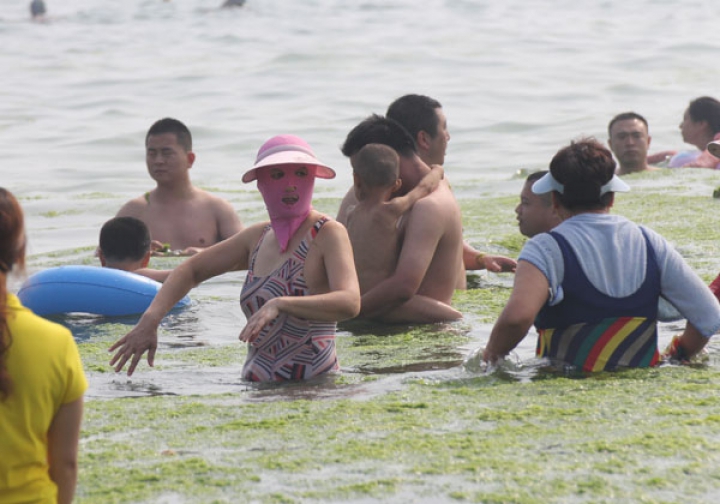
133	345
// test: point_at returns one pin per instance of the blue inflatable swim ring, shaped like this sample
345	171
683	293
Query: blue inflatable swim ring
89	289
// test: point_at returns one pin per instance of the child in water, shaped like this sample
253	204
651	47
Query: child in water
375	226
125	245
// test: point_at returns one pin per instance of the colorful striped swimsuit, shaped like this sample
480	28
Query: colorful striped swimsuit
594	331
289	348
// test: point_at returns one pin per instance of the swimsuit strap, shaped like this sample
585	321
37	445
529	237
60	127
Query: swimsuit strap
302	248
253	256
319	224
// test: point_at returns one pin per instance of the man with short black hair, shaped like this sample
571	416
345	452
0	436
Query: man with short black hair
424	119
179	215
629	140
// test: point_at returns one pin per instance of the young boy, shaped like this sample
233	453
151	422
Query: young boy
125	245
375	227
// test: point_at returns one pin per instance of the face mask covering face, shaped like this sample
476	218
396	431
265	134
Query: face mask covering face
287	191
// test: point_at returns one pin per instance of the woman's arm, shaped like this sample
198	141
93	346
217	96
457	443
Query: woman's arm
341	302
530	292
154	274
687	345
63	438
682	287
228	255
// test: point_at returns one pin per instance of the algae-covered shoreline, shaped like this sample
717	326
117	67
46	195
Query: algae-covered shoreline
404	422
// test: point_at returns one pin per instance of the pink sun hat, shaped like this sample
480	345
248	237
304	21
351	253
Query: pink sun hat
283	150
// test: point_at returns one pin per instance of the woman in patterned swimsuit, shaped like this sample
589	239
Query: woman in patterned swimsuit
301	276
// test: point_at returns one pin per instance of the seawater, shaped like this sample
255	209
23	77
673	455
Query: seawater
517	79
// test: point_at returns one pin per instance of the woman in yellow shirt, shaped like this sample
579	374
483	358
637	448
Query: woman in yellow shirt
41	387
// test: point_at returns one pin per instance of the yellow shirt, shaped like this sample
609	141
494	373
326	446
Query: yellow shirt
46	372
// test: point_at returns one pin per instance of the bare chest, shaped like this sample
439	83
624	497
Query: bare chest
182	225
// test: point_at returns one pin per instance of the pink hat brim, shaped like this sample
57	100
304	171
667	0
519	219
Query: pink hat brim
289	157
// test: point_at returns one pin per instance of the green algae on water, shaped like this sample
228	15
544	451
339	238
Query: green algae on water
405	423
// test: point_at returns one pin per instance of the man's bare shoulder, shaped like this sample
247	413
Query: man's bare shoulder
396	207
135	207
221	210
213	200
440	200
435	216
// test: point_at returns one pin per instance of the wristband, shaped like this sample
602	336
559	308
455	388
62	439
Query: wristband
675	351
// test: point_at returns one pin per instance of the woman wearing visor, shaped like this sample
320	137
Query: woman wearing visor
591	285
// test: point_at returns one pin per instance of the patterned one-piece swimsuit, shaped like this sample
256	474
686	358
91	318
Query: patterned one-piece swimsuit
289	348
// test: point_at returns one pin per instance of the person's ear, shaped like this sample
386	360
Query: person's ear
649	140
555	201
423	140
100	256
145	260
397	185
356	180
190	158
706	125
611	202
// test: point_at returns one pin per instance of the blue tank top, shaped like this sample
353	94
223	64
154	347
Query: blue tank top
594	331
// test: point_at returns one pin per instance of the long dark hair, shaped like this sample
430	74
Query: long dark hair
12	254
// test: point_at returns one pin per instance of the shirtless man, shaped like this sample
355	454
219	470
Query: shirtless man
629	141
425	120
176	212
430	260
377	219
535	212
